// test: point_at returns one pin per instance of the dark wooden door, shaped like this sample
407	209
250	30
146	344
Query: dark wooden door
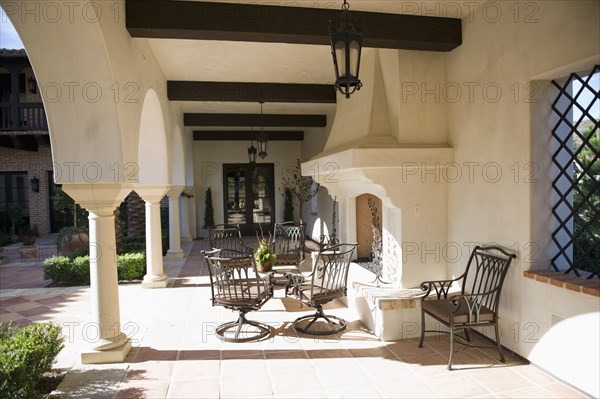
249	196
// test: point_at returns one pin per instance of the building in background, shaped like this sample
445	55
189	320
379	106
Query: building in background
26	178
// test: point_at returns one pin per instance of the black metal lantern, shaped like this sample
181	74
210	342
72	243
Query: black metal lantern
35	184
32	85
252	154
262	139
346	48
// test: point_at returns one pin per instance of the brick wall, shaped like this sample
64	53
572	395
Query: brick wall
36	164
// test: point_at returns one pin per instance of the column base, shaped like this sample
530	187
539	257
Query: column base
186	239
155	284
114	355
178	254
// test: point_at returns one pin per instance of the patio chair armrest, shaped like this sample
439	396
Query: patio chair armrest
472	302
295	282
441	287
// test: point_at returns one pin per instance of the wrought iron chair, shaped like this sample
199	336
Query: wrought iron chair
476	304
236	285
288	243
327	282
228	239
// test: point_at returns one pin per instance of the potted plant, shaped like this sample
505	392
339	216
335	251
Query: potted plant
264	257
28	236
209	215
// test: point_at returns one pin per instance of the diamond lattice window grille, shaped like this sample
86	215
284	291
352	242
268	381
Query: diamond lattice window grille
576	175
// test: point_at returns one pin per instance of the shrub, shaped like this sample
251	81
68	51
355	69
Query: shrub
25	354
134	244
79	252
58	268
5	239
81	270
131	266
209	213
65	271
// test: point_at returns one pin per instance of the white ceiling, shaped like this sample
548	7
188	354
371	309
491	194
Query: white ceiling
223	61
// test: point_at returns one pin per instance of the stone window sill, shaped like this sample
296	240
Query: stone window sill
567	281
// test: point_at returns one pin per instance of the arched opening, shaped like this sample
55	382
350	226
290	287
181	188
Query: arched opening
368	225
152	143
178	158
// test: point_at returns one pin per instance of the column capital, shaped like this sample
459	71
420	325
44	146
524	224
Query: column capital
99	198
189	190
175	191
152	194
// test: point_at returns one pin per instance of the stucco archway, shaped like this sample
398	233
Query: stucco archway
153	159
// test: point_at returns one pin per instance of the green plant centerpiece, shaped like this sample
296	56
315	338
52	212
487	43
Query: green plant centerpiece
264	256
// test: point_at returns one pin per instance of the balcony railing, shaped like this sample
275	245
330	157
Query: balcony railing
22	117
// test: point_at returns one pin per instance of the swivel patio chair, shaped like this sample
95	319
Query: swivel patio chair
288	243
327	282
236	285
477	303
228	239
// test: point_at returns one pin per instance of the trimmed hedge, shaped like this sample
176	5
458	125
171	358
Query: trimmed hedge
25	354
131	266
66	271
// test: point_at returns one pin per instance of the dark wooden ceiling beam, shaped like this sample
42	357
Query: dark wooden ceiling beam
197	20
256	120
250	92
245	135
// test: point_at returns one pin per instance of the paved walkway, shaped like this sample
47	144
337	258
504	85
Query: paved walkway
177	355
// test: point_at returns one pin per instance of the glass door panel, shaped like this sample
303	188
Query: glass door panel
249	196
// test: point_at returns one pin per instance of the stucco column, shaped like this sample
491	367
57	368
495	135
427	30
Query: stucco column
108	344
175	250
155	276
184	213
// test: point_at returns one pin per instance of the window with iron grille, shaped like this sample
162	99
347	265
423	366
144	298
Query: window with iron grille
576	175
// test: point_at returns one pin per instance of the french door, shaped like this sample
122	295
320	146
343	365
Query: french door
249	196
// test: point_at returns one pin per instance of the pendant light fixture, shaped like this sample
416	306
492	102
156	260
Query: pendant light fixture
263	138
346	48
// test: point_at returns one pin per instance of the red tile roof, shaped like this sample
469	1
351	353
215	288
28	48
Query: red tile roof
12	52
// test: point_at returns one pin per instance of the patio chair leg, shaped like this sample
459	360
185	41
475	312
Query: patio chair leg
451	347
498	342
312	322
467	335
422	328
241	321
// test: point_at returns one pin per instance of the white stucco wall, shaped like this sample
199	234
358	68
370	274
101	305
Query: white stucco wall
93	78
506	53
209	157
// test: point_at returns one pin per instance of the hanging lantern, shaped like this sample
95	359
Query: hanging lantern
261	141
252	154
346	48
263	138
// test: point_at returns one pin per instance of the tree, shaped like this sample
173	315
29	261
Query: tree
136	215
65	206
209	215
288	206
300	186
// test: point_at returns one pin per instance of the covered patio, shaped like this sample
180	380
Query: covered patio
462	133
176	354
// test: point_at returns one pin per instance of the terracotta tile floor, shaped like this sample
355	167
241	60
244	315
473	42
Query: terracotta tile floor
176	354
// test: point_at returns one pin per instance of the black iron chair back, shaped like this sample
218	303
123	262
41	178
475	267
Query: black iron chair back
229	240
477	302
236	285
327	282
288	243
